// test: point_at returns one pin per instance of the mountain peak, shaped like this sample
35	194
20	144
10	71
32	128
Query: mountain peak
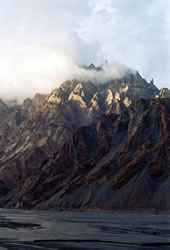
138	75
152	82
93	67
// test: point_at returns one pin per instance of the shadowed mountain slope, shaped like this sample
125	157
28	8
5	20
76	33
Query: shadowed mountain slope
86	146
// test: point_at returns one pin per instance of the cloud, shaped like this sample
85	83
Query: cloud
35	67
42	41
21	28
40	67
132	32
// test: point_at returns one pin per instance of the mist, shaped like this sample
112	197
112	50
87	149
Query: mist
41	67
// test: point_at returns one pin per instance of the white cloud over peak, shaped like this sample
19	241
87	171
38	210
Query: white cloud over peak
42	41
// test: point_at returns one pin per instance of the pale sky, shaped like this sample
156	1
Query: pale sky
40	39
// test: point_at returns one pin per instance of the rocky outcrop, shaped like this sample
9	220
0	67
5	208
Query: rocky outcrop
87	145
163	93
30	105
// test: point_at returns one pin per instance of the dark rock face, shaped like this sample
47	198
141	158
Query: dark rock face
87	146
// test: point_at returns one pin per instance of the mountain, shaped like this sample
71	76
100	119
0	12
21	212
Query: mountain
87	146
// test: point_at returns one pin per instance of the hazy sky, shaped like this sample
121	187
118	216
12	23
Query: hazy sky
40	39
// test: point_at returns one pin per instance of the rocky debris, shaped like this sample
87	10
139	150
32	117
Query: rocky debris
86	145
